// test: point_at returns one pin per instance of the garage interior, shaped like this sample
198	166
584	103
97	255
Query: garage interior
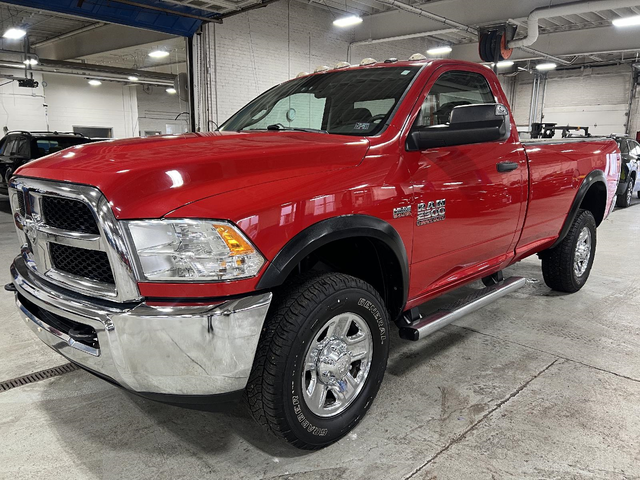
535	385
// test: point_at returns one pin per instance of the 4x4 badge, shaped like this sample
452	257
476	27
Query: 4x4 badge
402	212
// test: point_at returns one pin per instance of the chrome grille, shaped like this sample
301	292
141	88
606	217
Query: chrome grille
70	237
68	214
91	264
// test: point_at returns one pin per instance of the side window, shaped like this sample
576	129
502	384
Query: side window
23	149
634	149
11	145
451	90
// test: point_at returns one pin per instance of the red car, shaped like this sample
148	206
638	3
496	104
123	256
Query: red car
273	256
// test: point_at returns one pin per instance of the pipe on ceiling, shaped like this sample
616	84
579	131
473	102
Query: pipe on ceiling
572	8
430	16
405	37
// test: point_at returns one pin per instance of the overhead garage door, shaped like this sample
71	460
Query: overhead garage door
598	101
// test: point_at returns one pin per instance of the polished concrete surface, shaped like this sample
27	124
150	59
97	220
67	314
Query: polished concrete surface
536	385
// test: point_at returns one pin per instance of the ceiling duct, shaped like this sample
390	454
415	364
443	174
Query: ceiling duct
573	8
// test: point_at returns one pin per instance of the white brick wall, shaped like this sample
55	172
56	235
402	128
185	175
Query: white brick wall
256	50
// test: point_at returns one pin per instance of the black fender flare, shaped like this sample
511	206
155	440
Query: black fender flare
327	231
590	180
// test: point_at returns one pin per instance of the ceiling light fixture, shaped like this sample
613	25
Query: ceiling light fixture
31	61
437	51
347	21
505	64
159	54
627	21
133	78
171	91
14	33
546	66
95	83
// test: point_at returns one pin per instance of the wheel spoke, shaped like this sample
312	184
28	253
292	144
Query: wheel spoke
339	327
319	395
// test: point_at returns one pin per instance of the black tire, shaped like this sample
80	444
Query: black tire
624	200
299	312
558	263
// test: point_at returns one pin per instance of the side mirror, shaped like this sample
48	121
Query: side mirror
469	124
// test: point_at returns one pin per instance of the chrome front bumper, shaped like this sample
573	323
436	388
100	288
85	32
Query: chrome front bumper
175	351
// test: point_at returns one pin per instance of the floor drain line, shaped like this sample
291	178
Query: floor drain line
37	376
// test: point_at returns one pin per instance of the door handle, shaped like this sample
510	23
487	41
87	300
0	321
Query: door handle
503	167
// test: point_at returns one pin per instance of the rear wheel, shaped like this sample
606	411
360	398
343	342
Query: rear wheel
320	360
566	267
624	200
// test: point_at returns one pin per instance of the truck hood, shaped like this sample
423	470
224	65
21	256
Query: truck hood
148	178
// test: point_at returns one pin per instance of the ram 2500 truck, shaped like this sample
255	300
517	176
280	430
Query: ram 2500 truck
272	257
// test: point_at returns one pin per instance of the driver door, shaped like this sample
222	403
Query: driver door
468	212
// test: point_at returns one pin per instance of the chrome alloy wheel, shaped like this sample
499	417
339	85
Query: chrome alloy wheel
582	253
337	364
629	192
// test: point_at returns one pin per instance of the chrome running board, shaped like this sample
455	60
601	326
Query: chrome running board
434	322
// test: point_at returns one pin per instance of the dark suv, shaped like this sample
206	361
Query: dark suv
630	150
18	148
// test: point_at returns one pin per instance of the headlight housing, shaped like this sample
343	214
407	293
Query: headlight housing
192	250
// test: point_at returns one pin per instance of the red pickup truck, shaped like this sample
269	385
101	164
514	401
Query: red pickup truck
271	258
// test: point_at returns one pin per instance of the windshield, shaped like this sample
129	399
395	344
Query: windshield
345	102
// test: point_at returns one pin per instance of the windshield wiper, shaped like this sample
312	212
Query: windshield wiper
280	127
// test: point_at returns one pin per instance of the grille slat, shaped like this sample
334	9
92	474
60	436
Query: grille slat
21	204
90	264
68	214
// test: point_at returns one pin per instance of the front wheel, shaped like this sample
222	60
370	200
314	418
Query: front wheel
320	360
566	267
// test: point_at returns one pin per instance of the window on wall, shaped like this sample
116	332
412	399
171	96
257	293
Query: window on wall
94	132
451	90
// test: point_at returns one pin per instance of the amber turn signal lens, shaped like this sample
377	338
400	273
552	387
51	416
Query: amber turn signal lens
237	245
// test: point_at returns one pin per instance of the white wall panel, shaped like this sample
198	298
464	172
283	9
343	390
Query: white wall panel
21	108
73	102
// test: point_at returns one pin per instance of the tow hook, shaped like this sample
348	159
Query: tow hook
10	287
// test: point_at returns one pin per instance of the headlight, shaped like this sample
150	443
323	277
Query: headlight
187	249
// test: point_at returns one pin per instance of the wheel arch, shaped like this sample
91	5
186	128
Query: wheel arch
343	242
592	196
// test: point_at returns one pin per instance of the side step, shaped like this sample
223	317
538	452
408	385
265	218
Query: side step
465	306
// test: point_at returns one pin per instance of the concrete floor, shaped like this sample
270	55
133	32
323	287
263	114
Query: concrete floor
537	385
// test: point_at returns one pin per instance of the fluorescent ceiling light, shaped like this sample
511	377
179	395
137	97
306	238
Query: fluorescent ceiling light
546	66
627	21
347	21
94	82
505	64
159	54
31	61
439	50
14	33
133	79
171	91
